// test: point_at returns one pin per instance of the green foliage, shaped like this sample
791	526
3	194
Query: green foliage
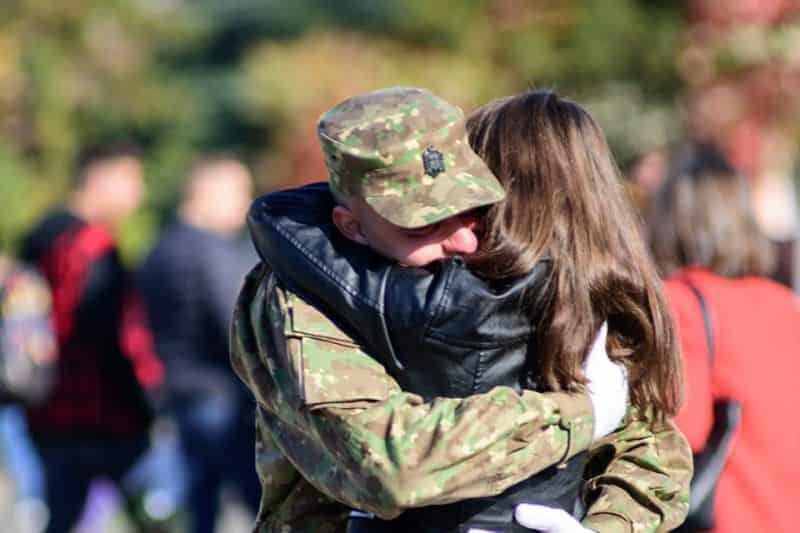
251	76
22	197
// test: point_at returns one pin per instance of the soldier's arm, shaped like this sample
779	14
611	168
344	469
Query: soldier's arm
638	478
277	474
350	430
287	499
360	439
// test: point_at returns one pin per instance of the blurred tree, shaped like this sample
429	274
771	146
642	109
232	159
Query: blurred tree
82	71
252	76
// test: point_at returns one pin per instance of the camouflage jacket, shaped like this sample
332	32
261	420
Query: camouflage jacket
333	426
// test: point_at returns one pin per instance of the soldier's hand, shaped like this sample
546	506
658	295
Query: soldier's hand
547	520
608	386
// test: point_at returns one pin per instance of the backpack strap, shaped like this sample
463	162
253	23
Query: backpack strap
709	462
707	320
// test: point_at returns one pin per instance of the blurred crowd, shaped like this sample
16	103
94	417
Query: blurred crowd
117	387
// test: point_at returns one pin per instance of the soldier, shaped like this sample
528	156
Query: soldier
342	419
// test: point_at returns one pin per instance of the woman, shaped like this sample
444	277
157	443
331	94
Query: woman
565	202
556	272
704	236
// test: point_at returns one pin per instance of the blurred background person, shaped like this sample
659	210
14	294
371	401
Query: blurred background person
190	282
27	355
95	420
705	237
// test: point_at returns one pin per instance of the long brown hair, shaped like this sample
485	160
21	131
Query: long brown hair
703	216
565	203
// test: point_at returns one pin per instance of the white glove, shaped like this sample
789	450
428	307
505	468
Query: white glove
608	386
547	520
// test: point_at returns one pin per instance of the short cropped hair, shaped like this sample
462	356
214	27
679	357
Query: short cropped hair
703	215
91	154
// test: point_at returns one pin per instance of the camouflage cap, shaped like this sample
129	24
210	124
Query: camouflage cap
405	152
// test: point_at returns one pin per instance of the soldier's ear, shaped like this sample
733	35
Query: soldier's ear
348	224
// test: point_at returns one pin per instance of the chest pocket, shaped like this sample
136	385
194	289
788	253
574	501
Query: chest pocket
332	368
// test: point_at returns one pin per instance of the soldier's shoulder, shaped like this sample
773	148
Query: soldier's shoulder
335	368
328	364
300	318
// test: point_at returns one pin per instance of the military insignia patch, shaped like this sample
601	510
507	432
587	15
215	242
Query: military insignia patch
433	161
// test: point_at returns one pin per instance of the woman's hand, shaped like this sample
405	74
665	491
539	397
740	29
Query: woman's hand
547	520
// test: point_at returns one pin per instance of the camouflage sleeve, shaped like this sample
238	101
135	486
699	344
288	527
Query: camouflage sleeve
359	439
638	478
276	473
287	499
354	435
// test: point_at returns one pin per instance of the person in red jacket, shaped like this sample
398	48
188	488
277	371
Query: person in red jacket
96	418
704	236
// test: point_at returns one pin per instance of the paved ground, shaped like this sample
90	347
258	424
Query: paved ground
105	516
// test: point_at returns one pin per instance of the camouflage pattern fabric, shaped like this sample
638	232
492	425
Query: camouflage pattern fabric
289	503
356	438
405	152
638	476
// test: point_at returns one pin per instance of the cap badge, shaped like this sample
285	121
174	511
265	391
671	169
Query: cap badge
433	161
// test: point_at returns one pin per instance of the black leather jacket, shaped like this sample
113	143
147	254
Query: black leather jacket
440	331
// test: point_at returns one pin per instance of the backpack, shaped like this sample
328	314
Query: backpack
27	341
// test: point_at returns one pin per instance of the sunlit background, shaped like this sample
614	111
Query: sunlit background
250	77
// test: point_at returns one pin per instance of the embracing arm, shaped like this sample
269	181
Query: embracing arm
639	474
349	429
638	477
287	499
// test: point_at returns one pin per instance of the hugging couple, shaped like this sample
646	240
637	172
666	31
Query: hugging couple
461	331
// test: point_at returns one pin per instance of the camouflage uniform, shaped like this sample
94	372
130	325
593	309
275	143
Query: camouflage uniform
332	413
